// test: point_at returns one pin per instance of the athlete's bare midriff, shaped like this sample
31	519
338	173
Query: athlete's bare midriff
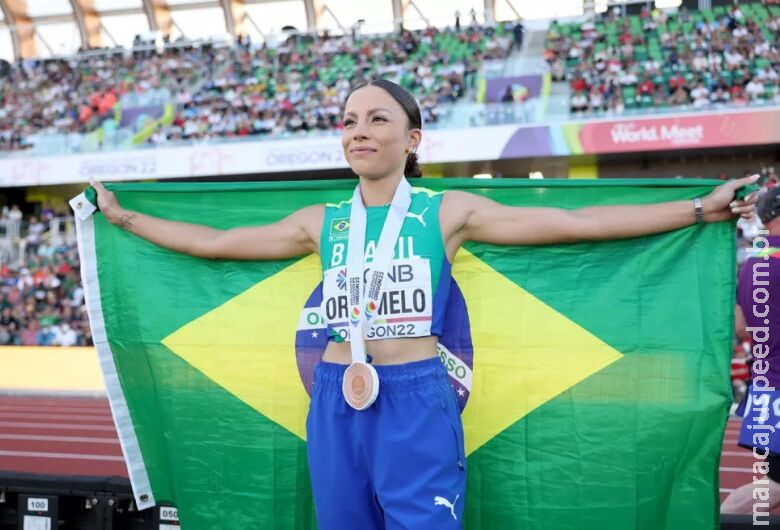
385	351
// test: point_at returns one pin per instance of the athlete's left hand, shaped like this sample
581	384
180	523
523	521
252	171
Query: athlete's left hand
720	204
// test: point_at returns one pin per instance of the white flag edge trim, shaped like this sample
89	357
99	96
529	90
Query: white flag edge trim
139	478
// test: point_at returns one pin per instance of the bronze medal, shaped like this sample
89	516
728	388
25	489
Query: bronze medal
360	386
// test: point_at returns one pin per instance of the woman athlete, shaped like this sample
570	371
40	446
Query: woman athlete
399	463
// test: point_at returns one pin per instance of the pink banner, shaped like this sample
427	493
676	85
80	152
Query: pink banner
681	132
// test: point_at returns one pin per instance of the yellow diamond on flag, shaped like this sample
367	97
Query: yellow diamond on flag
525	353
247	345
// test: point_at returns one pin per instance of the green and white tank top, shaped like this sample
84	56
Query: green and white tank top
418	282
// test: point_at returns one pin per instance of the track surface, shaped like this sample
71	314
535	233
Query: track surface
69	436
59	436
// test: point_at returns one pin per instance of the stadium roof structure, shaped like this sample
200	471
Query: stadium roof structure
44	28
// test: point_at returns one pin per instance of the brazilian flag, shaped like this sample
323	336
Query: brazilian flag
593	377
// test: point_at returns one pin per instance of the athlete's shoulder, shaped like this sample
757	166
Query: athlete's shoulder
458	199
338	205
457	207
313	211
310	218
427	192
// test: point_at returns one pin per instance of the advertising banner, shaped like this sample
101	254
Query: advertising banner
459	144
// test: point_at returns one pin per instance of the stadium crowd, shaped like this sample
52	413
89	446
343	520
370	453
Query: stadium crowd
78	94
41	298
242	89
668	59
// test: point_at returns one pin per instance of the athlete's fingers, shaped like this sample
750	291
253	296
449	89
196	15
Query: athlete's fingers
742	203
741	209
744	181
752	198
96	184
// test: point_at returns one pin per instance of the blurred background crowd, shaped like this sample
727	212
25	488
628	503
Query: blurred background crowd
210	90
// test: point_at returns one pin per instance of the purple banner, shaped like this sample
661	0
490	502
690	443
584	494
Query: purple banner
528	142
496	88
129	117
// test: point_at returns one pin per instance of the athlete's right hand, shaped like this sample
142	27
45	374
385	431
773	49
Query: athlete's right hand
107	201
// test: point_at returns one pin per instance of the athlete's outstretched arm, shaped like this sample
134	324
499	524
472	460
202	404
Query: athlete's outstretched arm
481	219
295	235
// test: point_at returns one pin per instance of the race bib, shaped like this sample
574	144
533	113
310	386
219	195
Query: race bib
405	306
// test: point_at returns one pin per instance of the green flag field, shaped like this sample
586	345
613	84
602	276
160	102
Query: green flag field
593	377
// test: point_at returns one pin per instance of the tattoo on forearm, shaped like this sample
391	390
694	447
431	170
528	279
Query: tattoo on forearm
126	221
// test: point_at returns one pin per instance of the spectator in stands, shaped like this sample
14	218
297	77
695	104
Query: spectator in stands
25	281
5	336
579	102
15	214
30	334
7	319
767	74
676	81
700	62
700	95
557	69
646	87
679	97
720	95
629	77
64	335
578	84
754	89
518	32
616	105
737	94
596	99
507	97
34	236
734	59
652	67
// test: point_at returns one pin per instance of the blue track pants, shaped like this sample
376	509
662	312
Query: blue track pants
400	464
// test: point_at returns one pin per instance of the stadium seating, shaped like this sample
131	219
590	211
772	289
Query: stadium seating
209	91
663	59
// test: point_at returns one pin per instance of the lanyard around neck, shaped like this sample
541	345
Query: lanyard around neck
363	300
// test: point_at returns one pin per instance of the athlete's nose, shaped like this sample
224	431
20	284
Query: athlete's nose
360	131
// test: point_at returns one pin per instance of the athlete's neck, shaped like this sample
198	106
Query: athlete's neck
379	192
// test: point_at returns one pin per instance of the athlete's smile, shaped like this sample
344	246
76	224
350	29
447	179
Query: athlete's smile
362	150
